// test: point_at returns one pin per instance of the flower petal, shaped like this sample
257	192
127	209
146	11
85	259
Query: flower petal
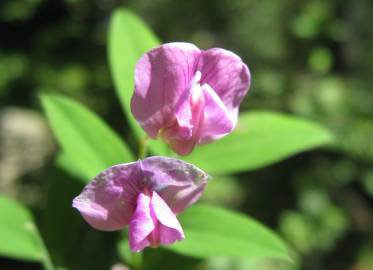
161	77
189	115
179	183
179	145
111	200
227	75
169	228
217	121
141	225
108	202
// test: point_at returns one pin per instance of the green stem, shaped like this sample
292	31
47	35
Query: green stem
143	145
137	261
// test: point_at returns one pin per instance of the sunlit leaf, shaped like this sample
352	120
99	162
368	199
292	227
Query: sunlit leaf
128	39
227	263
19	237
64	162
216	232
260	139
88	143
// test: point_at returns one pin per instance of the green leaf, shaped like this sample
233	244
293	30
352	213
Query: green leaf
129	38
87	141
225	263
19	238
216	232
64	162
260	139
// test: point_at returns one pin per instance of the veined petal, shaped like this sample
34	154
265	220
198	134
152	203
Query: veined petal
180	146
189	115
108	202
142	224
153	223
168	102
227	75
185	107
168	227
217	120
161	77
179	183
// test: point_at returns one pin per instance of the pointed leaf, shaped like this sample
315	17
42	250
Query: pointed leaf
87	141
261	138
19	238
128	39
216	232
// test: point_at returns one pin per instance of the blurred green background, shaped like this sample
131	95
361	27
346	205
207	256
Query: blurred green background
309	58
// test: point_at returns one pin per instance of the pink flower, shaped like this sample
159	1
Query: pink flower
146	195
188	96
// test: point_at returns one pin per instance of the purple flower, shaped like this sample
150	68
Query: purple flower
146	195
188	96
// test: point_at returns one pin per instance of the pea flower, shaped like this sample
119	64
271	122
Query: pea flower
188	96
146	195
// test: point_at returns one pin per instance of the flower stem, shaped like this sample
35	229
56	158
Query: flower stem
143	145
137	261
